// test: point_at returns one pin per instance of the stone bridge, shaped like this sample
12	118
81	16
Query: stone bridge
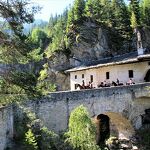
54	110
130	101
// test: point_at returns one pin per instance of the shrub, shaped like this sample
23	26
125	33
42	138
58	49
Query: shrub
82	131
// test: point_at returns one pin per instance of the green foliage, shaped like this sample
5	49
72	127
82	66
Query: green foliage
6	99
135	10
44	86
81	132
134	23
35	55
48	139
57	37
70	19
120	17
38	36
89	9
15	45
25	80
30	140
145	12
78	9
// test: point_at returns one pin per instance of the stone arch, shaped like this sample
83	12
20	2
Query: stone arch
119	126
102	128
147	76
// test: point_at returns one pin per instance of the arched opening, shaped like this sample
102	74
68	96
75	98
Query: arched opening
103	130
120	126
147	76
111	124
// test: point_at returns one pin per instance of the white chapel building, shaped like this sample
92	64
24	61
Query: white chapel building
134	65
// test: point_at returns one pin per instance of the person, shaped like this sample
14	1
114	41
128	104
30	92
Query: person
130	82
114	83
101	84
91	85
78	87
117	81
83	84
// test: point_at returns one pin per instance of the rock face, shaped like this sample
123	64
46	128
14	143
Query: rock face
91	42
57	66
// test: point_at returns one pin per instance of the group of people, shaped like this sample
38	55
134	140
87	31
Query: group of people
103	84
108	84
83	86
117	83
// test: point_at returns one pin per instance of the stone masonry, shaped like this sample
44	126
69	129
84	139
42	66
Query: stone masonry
54	110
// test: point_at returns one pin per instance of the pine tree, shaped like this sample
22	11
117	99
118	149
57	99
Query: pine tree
97	10
70	19
135	11
145	12
78	9
89	9
120	17
105	12
134	23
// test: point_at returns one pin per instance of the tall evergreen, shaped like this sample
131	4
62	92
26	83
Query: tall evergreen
135	10
134	23
120	17
70	19
106	12
145	12
78	9
89	8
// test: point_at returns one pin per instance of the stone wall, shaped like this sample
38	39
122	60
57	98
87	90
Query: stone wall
54	110
130	101
6	126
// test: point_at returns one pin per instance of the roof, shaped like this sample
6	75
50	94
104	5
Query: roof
117	60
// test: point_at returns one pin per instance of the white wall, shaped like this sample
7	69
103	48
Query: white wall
116	71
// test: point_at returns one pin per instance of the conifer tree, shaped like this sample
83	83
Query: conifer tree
78	9
120	16
97	10
105	11
145	12
70	19
89	9
135	10
134	23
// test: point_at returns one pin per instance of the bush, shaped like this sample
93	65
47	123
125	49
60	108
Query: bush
82	131
30	141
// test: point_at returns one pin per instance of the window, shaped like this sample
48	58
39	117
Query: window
75	76
107	75
91	78
82	75
130	73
